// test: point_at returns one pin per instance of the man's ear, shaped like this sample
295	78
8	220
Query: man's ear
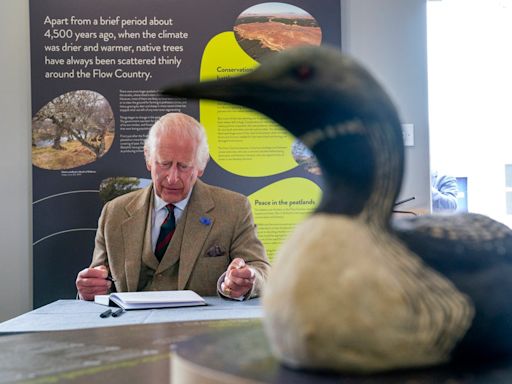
147	159
201	171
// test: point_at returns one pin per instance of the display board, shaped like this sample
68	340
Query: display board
97	71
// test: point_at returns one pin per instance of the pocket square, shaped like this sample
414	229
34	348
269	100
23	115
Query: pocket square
216	250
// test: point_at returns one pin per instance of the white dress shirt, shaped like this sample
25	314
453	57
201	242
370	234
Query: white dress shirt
159	213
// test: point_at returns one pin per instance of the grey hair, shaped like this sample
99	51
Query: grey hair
184	125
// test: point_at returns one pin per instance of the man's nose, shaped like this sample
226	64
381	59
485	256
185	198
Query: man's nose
172	174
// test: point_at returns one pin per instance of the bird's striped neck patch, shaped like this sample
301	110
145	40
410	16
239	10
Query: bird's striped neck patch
312	138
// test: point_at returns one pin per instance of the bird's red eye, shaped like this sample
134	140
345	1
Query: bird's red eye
304	72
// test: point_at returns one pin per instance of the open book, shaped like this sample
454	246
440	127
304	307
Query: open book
151	299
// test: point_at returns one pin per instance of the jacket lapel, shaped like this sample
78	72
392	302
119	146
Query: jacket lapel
196	229
133	238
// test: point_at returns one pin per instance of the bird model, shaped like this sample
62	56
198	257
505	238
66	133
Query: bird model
351	290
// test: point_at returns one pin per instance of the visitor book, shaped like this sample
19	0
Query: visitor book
151	299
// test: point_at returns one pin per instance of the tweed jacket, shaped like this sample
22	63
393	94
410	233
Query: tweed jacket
216	226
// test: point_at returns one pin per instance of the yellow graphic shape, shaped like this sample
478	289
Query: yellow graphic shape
241	141
279	207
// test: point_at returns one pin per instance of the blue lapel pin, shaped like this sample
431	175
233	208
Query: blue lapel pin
205	220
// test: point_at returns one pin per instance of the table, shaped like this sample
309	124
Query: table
68	341
79	314
240	353
176	345
138	353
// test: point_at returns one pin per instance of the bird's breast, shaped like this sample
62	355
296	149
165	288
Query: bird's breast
344	295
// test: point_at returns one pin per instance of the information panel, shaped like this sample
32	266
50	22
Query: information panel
97	71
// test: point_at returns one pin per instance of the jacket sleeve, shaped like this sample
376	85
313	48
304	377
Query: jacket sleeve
99	255
444	193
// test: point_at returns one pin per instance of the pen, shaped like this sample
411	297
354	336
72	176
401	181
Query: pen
106	313
118	313
109	277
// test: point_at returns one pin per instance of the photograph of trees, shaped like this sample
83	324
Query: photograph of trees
74	129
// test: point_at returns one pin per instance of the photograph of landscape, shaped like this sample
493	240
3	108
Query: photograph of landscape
74	129
272	27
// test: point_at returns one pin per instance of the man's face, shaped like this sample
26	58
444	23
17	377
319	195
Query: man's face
173	167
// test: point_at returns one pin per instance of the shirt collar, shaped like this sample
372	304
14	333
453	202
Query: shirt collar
181	205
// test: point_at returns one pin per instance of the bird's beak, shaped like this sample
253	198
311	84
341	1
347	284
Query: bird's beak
269	90
237	90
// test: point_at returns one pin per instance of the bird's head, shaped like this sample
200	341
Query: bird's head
335	107
302	89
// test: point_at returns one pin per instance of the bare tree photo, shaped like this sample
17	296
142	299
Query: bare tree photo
74	129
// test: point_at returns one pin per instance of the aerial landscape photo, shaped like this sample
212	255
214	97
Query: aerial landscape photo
272	27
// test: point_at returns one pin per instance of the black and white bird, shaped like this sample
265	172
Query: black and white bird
352	290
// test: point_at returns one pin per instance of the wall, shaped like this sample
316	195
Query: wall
15	193
388	36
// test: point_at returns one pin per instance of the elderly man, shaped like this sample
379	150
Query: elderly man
178	233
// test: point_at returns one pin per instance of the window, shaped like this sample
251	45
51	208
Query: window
470	86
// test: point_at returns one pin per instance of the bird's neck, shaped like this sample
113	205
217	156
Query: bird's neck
388	151
362	172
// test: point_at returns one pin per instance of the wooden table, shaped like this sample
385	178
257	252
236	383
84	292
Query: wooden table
240	354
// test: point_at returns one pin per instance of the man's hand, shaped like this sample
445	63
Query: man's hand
92	281
239	279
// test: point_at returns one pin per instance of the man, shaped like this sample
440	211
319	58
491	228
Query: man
213	246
